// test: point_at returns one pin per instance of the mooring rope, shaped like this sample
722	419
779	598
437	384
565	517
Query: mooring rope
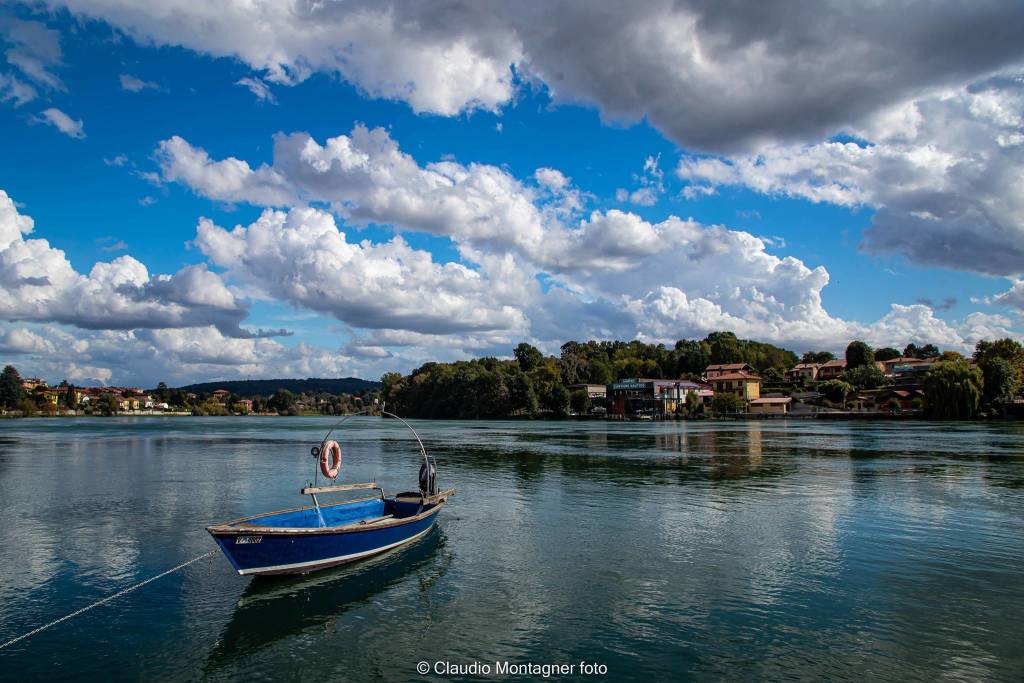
107	599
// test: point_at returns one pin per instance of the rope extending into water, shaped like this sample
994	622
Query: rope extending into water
107	599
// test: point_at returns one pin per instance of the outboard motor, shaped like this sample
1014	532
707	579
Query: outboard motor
428	479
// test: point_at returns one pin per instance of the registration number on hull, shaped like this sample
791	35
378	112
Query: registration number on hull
242	540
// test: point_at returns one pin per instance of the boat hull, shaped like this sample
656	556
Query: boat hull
263	551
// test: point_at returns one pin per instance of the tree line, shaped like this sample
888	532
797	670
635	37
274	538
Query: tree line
532	384
954	387
13	397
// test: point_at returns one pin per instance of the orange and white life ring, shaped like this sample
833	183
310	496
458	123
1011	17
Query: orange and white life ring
330	459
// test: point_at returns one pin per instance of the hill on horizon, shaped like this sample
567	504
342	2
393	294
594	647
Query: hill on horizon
266	387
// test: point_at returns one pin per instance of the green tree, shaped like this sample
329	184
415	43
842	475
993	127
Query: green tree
10	387
283	401
953	389
492	395
725	347
1009	350
690	357
635	367
865	377
579	400
392	387
1000	380
70	397
574	365
818	357
772	375
600	372
522	396
212	406
108	405
693	403
927	351
28	407
858	353
527	356
835	390
162	393
886	353
727	402
556	399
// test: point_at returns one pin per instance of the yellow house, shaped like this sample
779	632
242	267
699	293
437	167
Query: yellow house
58	396
743	384
123	404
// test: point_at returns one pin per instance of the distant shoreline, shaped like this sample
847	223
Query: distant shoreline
829	416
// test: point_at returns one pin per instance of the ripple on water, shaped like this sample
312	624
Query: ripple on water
738	551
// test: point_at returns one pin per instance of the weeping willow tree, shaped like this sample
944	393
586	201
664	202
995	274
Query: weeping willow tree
953	389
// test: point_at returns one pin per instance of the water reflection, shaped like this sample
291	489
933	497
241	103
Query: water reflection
275	608
727	551
630	458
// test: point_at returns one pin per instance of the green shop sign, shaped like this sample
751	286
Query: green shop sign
628	385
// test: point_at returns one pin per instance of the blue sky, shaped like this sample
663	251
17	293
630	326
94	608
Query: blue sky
111	190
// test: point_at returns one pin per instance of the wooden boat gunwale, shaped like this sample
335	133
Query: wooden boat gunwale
229	528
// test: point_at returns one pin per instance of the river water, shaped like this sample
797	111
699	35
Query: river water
799	550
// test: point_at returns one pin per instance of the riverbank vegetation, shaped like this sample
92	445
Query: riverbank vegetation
30	397
533	384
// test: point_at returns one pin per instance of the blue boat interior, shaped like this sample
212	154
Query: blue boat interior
339	514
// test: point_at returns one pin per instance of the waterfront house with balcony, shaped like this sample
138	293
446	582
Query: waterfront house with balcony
833	369
719	369
744	384
804	372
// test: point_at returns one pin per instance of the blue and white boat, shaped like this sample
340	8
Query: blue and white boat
304	539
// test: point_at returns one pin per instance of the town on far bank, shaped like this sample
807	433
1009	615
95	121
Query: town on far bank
32	396
720	376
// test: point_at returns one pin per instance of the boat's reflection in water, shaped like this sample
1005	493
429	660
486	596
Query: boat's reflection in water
274	607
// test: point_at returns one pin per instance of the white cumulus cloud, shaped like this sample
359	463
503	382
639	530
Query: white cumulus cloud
38	283
614	273
942	173
301	257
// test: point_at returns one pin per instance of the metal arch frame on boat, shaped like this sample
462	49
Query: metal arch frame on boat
428	460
